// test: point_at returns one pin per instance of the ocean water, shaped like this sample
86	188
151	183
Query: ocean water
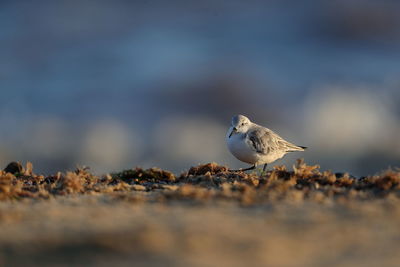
118	84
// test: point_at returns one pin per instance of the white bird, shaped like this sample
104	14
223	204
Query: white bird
255	144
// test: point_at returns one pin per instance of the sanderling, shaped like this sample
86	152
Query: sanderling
255	144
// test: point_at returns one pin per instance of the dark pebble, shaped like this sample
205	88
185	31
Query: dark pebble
13	167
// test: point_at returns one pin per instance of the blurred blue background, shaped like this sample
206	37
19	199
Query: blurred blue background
118	84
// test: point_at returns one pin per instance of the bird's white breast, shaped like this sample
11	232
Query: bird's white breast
238	146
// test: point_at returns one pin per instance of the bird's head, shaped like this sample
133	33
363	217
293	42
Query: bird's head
240	124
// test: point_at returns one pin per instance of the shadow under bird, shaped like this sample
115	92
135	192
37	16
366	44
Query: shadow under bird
255	144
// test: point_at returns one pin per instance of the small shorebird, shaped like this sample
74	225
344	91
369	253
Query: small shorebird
255	144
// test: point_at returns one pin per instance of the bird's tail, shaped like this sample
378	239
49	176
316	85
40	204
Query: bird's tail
297	148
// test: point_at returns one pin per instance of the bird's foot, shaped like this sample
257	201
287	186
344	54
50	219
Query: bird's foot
242	170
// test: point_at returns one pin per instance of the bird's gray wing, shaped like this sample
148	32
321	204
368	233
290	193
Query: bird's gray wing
265	141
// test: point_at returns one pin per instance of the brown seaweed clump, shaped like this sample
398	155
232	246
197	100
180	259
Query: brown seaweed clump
211	168
388	180
10	188
213	175
139	175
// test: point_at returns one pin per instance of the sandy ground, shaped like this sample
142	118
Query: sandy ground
100	231
239	222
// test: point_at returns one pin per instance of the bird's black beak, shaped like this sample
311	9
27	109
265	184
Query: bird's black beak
234	130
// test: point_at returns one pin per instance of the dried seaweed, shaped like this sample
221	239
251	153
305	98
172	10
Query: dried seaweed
208	182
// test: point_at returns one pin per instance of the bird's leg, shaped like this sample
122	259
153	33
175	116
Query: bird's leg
242	170
265	167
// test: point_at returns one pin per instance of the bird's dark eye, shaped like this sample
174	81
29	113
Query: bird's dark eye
242	123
